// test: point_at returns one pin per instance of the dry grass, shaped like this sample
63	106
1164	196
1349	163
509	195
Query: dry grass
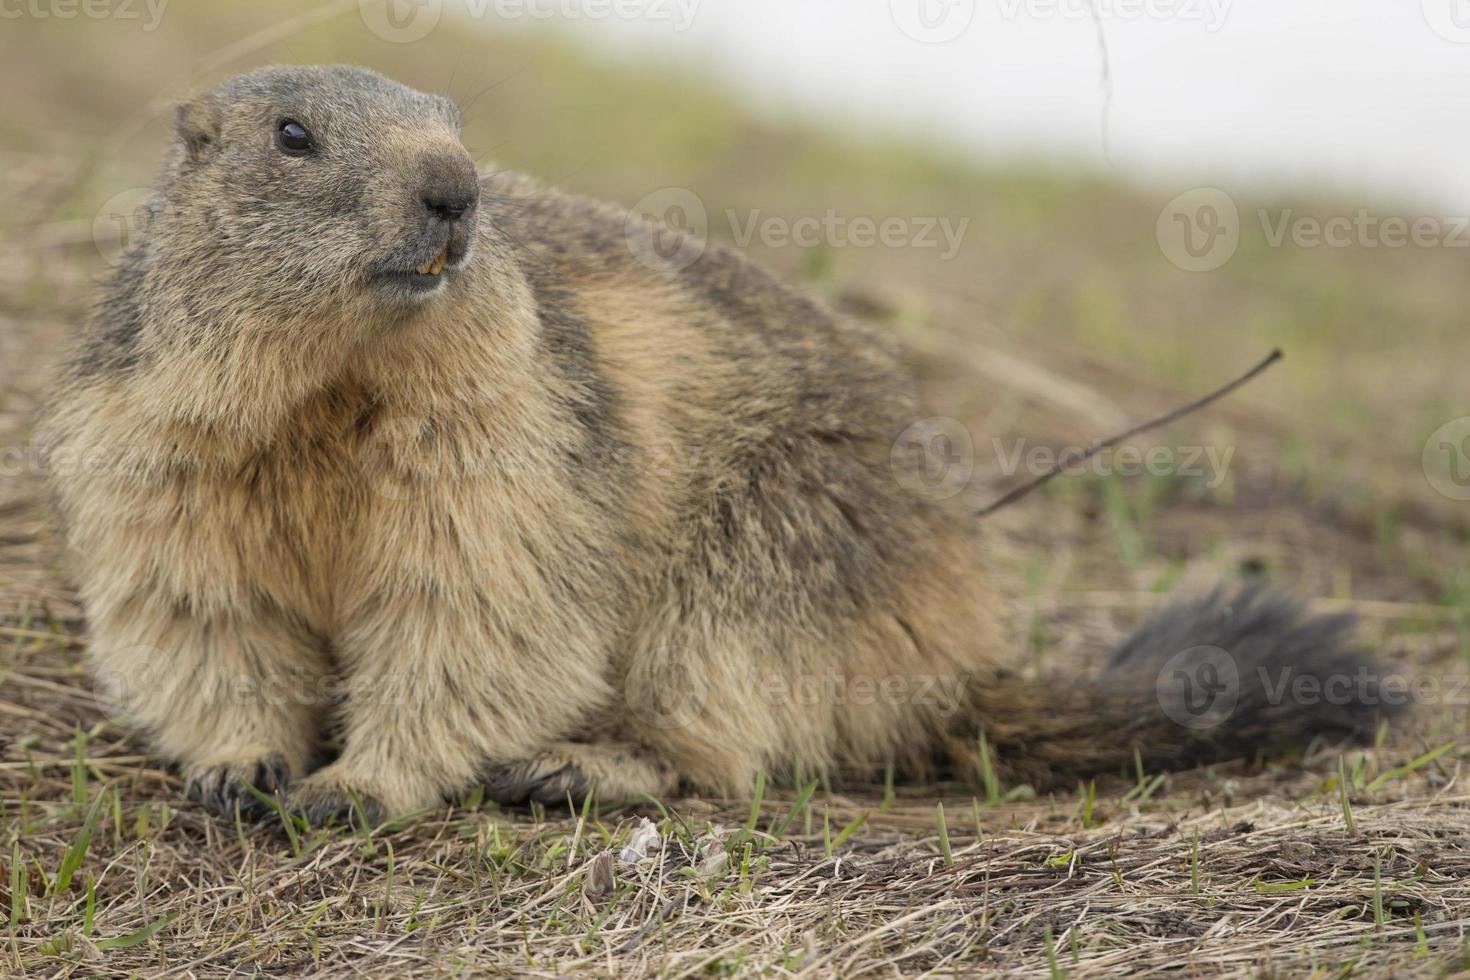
1239	870
1201	873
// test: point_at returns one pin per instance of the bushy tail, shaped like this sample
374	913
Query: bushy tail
1227	676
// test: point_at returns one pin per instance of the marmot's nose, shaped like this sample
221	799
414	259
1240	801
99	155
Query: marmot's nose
449	202
450	185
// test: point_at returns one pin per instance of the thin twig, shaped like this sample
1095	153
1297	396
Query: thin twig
1104	84
1065	459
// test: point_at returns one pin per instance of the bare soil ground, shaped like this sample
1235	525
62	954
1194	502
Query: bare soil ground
1058	320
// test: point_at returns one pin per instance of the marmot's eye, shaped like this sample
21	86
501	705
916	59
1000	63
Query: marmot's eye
293	138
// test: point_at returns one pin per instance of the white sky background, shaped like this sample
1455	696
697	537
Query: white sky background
1364	98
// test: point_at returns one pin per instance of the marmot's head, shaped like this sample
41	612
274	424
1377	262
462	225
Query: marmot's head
318	187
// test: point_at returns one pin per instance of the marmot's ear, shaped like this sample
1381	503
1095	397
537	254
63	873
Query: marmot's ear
197	122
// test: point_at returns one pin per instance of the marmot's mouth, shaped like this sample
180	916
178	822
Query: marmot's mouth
435	265
422	281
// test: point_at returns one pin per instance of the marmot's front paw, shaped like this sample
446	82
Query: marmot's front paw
546	779
613	772
222	788
322	798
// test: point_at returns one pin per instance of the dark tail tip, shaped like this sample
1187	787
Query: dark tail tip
1237	674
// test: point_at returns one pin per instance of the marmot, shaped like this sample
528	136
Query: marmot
561	516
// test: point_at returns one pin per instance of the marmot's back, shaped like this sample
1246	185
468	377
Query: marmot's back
711	357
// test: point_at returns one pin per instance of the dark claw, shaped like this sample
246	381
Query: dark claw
221	789
515	783
325	806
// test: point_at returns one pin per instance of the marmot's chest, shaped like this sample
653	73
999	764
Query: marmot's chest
356	498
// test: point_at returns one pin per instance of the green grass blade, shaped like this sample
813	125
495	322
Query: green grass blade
137	938
987	773
846	833
756	801
1407	768
77	853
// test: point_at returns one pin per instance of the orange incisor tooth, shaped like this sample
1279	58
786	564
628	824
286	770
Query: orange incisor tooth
435	265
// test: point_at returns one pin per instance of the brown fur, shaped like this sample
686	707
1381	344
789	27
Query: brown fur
576	522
